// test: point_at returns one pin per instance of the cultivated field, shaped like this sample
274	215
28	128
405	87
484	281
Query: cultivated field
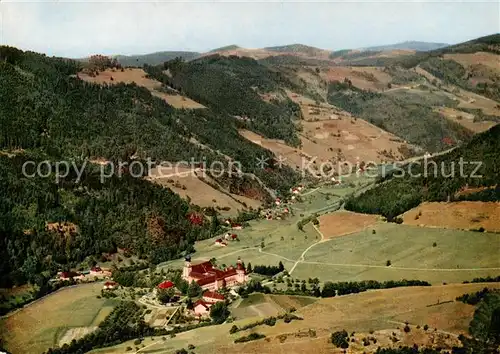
282	239
457	215
348	139
45	322
158	317
262	305
362	253
363	250
334	141
366	78
282	242
186	183
139	76
471	59
381	311
345	223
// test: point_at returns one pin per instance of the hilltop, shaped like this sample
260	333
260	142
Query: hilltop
154	58
409	45
225	48
299	49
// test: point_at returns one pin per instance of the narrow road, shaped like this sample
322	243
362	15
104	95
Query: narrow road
301	259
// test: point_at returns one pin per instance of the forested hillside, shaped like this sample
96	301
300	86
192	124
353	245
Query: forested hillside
48	113
232	85
401	190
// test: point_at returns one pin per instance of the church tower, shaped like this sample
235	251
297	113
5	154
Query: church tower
186	271
240	271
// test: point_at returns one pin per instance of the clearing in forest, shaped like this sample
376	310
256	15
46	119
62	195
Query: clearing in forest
139	77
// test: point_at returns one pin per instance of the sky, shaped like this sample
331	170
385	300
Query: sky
78	29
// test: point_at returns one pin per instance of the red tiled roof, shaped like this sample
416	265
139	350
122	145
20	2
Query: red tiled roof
203	303
206	280
205	273
96	269
195	218
202	268
109	283
167	284
197	275
213	295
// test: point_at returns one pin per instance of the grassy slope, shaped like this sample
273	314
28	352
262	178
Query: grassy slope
409	247
41	324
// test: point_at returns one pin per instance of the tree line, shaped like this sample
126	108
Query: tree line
269	270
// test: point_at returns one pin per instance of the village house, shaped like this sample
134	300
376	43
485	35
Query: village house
201	308
70	275
95	270
230	237
212	278
236	226
109	285
212	296
220	242
167	284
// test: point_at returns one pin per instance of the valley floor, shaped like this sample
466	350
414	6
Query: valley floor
351	247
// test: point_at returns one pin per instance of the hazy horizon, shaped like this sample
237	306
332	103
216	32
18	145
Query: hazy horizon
77	30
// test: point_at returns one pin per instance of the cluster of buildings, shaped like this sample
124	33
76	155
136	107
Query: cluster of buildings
222	241
94	273
233	225
203	305
211	278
